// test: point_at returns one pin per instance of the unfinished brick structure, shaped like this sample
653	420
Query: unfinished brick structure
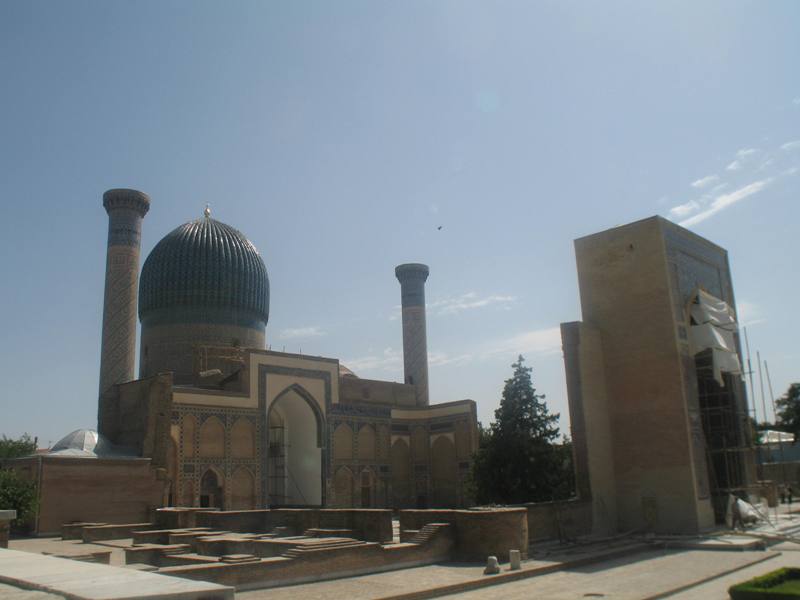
661	436
266	548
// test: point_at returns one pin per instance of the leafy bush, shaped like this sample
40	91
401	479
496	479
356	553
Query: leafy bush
18	494
11	448
782	584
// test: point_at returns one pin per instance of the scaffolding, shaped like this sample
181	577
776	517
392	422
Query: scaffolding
728	440
276	466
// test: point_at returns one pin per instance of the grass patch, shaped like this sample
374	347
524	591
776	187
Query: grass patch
776	585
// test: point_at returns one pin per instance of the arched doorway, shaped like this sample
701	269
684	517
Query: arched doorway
343	484
295	449
367	488
211	490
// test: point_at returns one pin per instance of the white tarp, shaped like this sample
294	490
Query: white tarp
706	308
713	326
770	436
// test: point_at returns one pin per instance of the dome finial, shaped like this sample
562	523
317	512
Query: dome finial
207	210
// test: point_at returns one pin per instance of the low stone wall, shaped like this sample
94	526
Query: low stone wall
372	525
95	533
478	533
560	520
252	521
6	516
159	536
74	531
321	564
178	517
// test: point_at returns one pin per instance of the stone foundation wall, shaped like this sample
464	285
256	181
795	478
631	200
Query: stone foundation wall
478	533
314	566
98	490
373	525
559	520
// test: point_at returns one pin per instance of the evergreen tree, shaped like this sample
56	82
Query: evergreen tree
518	459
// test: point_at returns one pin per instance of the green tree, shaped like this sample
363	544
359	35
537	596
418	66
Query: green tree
788	407
11	448
518	459
18	494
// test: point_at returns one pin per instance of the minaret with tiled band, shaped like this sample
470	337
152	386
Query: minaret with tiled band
126	209
412	279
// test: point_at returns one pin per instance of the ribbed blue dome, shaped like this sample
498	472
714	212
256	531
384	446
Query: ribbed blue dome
204	264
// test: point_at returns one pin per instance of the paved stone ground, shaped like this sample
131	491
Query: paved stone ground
636	577
10	592
684	573
91	581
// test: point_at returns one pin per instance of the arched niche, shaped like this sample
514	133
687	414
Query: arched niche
242	489
296	440
367	488
188	430
383	442
401	474
419	442
187	493
212	438
366	442
343	442
343	484
212	489
243	439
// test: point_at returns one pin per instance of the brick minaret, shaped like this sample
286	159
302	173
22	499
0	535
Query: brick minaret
126	209
412	279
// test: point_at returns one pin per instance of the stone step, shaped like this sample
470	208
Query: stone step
238	558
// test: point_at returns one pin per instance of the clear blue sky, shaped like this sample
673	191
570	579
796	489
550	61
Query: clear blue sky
338	136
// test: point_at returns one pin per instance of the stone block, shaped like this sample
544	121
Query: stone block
492	566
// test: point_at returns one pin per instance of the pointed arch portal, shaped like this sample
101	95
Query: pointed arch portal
295	435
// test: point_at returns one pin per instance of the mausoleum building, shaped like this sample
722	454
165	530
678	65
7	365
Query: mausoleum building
216	419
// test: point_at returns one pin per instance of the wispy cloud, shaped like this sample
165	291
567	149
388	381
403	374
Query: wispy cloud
723	201
751	171
439	359
683	210
530	343
300	332
388	360
796	101
535	342
451	305
793	145
748	313
469	301
705	181
742	156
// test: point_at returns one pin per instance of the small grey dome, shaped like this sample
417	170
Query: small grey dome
204	264
346	372
85	443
